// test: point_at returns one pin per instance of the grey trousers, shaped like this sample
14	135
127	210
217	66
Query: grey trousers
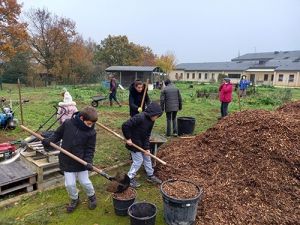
83	177
138	159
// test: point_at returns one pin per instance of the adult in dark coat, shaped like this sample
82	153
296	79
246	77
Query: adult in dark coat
113	90
171	103
136	92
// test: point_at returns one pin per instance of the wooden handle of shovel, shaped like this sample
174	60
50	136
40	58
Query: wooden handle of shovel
145	91
134	145
101	172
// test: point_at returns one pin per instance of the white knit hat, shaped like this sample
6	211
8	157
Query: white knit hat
67	97
67	100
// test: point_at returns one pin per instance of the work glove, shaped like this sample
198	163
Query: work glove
89	167
140	109
46	142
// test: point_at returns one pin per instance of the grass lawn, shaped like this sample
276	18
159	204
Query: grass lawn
48	207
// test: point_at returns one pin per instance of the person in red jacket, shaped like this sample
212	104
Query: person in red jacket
225	95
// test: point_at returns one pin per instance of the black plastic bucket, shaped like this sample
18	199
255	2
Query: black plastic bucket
185	125
142	213
180	211
121	206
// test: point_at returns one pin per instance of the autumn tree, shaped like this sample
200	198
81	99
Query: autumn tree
12	32
166	62
80	60
50	39
147	57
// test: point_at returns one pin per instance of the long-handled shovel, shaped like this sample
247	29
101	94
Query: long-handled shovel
145	92
239	98
119	183
134	145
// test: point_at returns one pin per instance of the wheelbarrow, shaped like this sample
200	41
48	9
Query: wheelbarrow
97	99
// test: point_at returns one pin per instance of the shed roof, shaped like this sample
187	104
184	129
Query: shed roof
132	68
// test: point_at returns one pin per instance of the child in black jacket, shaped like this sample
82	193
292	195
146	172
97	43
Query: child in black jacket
137	130
79	138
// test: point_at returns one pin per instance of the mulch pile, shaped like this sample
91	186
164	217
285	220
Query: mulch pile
180	189
248	165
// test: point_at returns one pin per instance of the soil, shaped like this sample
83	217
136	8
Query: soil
248	165
129	193
180	189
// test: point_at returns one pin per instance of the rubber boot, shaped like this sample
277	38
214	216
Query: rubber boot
92	204
72	205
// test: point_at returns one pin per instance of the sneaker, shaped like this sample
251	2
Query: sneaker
154	179
92	204
72	205
175	135
134	183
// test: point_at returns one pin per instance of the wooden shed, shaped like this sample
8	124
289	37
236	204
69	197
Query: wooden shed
127	74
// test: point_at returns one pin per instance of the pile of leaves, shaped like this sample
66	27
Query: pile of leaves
248	165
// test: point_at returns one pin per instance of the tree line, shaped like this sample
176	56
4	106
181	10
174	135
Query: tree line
46	48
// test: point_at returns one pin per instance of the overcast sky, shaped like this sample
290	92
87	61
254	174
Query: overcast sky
195	30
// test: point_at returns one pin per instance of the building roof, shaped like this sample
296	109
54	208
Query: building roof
266	61
291	66
268	55
215	66
132	68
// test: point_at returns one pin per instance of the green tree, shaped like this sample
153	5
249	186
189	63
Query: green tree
117	50
17	67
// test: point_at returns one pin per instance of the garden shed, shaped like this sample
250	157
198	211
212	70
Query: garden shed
127	74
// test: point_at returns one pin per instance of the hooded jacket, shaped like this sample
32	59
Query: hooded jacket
66	108
225	92
244	84
78	139
138	128
170	99
135	100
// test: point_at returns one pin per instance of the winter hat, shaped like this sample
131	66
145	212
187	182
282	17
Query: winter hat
68	100
67	97
227	79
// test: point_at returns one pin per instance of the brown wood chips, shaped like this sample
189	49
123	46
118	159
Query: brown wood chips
126	195
180	189
248	165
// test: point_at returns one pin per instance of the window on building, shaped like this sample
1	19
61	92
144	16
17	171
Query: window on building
280	77
193	76
176	76
266	77
181	75
212	76
187	76
272	77
199	76
291	78
205	76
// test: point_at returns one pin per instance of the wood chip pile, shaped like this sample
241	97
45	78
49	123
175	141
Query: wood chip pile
248	165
